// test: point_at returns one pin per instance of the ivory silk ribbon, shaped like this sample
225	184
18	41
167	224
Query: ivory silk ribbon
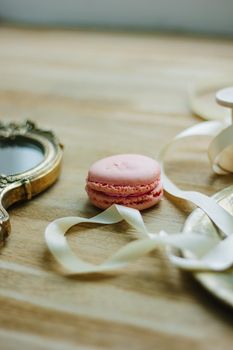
207	253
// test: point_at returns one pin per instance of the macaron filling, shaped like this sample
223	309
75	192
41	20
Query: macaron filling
124	190
140	197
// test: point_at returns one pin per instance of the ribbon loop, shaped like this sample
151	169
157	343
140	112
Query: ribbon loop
206	251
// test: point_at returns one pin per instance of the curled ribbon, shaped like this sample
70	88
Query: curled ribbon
204	249
207	253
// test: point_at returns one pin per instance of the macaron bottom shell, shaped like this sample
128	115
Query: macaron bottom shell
139	201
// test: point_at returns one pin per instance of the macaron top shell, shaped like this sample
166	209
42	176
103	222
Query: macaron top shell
125	169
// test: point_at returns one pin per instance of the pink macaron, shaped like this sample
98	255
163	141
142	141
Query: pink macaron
127	179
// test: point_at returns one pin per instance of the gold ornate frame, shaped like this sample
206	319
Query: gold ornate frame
25	185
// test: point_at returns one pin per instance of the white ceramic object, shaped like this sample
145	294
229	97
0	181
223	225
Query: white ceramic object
225	97
211	16
219	284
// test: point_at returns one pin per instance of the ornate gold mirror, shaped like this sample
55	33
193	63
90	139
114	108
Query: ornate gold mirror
30	162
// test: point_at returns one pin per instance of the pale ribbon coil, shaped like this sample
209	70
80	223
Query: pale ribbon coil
207	253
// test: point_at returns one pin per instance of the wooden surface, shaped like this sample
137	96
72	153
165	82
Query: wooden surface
106	93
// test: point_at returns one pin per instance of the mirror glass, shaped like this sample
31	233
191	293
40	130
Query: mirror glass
18	155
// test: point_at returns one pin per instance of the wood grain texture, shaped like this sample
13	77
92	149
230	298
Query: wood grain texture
106	93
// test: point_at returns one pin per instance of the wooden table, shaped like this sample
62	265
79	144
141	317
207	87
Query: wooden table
105	93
